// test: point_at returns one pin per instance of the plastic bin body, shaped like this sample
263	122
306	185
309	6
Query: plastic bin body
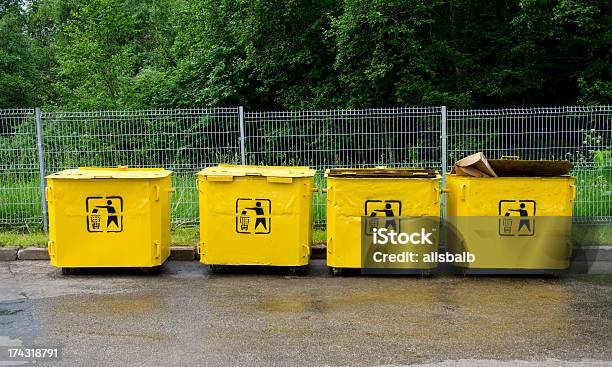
478	207
347	202
255	215
105	217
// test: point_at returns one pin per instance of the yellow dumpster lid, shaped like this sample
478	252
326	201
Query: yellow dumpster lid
88	173
381	172
266	171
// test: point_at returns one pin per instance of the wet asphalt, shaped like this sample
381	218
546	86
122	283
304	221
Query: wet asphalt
188	317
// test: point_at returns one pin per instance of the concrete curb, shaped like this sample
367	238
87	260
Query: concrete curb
585	260
592	253
591	267
8	253
33	253
182	253
177	253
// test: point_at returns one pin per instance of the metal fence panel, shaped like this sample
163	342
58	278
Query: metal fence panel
20	203
180	140
394	137
582	135
188	140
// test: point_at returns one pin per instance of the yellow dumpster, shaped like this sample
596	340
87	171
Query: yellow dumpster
518	222
255	215
109	217
376	192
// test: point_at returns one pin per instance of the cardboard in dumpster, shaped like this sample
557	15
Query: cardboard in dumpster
477	165
530	168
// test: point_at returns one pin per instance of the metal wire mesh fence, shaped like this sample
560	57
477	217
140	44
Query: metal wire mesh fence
394	137
20	202
183	141
190	139
581	135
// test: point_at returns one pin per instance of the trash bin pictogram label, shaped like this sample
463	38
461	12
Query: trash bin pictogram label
517	217
253	216
104	214
382	213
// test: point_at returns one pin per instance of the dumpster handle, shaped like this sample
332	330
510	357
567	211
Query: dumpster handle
320	191
574	192
51	248
156	193
157	249
48	193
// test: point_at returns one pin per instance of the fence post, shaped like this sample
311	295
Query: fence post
41	166
242	150
444	150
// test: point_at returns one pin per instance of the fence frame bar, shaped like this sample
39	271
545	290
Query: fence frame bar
242	137
41	166
443	158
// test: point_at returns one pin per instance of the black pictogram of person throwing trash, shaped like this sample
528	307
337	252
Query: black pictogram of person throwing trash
525	217
111	213
388	212
252	216
104	214
259	217
376	210
524	221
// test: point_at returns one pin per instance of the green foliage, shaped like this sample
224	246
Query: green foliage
277	54
112	54
19	75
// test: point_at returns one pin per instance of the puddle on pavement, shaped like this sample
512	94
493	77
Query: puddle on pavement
505	315
450	316
4	312
150	335
16	319
116	304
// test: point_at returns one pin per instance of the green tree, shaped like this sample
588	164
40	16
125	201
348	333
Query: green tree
562	52
115	54
409	52
261	54
20	77
273	54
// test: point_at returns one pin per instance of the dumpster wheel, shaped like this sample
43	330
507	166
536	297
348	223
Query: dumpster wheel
335	271
215	269
66	271
298	270
153	270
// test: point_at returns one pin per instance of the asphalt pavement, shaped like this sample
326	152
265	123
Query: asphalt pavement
188	317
